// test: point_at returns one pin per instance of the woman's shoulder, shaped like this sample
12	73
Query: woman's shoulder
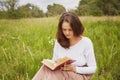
56	42
87	39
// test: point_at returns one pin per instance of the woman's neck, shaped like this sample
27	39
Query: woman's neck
74	40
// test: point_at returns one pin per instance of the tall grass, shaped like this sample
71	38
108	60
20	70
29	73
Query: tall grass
25	42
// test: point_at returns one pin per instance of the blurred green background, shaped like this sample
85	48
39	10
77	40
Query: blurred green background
27	36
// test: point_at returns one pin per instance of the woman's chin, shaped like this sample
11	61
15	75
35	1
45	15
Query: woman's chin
68	37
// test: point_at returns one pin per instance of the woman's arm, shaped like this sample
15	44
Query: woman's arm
90	60
55	54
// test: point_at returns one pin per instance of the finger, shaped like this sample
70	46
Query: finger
64	68
67	65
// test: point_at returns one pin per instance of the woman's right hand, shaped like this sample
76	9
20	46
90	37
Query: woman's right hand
68	68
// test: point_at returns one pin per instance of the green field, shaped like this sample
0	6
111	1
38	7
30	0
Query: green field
25	42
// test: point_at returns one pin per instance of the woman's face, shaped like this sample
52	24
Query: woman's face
67	30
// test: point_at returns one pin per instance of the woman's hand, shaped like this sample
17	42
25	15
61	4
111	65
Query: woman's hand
68	68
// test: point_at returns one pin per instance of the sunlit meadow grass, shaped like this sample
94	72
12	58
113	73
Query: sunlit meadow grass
25	42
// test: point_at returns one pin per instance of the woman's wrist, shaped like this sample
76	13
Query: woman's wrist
74	69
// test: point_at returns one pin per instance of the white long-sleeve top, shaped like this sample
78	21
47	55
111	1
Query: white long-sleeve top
82	52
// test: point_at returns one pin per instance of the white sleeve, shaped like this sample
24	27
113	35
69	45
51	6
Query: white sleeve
55	50
90	60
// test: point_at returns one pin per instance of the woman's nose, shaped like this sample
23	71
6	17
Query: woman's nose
67	32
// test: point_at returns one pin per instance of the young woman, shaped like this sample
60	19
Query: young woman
70	42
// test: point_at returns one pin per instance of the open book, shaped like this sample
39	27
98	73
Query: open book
57	64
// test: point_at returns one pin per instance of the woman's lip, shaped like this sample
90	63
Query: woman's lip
67	35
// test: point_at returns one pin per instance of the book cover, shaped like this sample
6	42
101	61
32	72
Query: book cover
57	64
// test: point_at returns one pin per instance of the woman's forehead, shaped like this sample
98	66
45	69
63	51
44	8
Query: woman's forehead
66	25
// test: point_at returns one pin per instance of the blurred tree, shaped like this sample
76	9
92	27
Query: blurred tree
55	9
72	10
87	7
30	10
109	7
98	7
9	4
9	8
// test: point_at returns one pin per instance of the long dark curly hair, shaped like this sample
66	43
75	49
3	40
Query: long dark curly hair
75	24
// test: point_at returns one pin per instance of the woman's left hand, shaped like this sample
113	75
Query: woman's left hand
69	68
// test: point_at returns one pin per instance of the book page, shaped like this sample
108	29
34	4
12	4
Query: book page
58	64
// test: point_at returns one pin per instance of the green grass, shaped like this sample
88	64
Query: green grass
25	42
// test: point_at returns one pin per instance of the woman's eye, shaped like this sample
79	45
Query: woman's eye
70	29
64	29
